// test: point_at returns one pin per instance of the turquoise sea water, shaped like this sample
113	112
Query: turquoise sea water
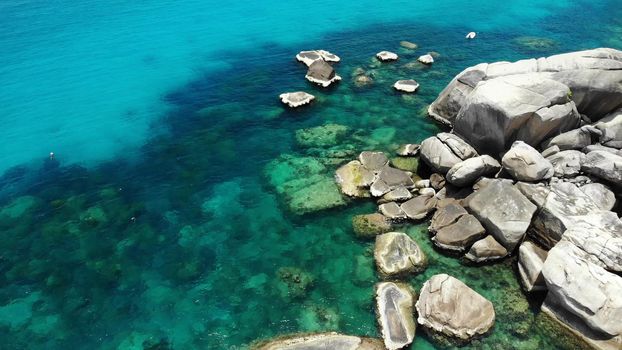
167	220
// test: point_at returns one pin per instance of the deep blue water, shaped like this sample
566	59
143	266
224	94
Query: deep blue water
165	218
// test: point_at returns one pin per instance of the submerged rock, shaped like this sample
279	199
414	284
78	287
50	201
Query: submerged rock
322	73
503	210
406	163
296	99
524	163
486	250
321	136
396	254
406	85
530	261
320	341
373	161
449	307
408	45
293	282
370	225
354	179
385	56
394	308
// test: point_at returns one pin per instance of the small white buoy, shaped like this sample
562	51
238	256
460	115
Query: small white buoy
51	155
471	35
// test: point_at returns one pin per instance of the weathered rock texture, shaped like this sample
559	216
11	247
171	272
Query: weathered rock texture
394	308
397	254
530	261
333	341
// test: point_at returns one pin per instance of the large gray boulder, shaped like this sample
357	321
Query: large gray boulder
611	130
577	70
503	211
443	151
396	254
566	163
583	289
599	235
468	171
530	261
574	139
557	205
449	307
604	165
604	198
354	179
419	207
446	215
524	163
319	341
394	309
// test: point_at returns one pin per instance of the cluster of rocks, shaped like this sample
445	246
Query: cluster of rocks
555	124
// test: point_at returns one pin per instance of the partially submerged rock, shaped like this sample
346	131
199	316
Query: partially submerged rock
296	99
397	254
406	85
486	250
394	308
503	210
426	59
385	56
354	179
308	57
321	136
332	340
370	225
392	211
530	261
449	307
419	207
460	235
524	163
322	73
409	149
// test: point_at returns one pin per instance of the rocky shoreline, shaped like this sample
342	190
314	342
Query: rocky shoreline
532	168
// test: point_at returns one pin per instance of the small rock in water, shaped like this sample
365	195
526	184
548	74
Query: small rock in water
296	99
397	254
308	57
408	45
322	73
471	35
426	59
385	56
406	85
370	225
485	250
409	149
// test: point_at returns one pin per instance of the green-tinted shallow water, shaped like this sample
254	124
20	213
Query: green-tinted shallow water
196	243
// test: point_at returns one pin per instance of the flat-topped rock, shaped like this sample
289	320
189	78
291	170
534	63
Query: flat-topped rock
525	163
406	85
392	211
319	341
373	161
566	163
486	250
503	210
408	45
443	151
389	179
370	225
446	215
322	73
426	59
394	309
460	235
604	165
296	99
400	194
583	289
468	171
449	307
386	56
354	179
397	254
530	261
419	207
308	57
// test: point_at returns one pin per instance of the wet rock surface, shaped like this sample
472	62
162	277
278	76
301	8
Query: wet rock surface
394	308
396	254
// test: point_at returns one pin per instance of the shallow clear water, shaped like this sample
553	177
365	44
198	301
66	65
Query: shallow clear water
166	217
